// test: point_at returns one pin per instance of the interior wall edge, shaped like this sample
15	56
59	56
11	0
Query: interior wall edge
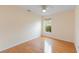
55	38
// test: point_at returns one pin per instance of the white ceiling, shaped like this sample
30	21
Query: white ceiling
51	9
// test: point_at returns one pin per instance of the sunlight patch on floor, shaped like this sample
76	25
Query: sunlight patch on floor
47	46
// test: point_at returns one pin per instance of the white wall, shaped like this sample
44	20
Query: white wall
17	26
63	26
77	28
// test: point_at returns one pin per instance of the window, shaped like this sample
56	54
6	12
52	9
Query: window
47	25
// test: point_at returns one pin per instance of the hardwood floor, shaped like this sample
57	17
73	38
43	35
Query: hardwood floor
59	46
37	46
33	46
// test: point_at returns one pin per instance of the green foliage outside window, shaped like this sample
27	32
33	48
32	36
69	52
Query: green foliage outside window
48	28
